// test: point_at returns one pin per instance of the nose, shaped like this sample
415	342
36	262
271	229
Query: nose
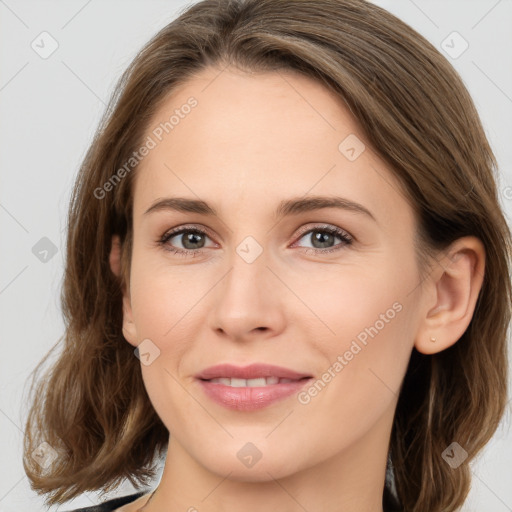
249	301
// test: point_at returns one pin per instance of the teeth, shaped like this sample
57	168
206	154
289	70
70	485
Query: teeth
250	383
238	383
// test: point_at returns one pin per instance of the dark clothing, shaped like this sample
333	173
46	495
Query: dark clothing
389	503
109	505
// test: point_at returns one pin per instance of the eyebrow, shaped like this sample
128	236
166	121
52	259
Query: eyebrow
285	208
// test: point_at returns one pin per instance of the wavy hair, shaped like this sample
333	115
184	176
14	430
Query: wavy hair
91	405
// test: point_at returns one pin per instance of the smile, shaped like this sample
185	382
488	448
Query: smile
248	388
250	383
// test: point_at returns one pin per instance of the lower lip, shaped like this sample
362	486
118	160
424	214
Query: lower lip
250	398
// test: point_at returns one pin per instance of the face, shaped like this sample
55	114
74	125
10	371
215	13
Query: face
261	273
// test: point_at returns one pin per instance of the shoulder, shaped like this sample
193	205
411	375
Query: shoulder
111	505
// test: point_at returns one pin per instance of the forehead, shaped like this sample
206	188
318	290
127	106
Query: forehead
232	137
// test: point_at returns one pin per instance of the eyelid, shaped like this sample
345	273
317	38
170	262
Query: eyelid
320	226
189	227
345	236
171	233
303	230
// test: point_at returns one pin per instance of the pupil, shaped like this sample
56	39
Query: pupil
192	238
323	237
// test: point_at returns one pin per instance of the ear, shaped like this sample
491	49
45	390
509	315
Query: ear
129	331
452	292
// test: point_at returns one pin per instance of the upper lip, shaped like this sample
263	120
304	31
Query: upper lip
253	371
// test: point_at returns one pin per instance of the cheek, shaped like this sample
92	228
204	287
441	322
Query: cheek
163	301
163	312
359	383
367	331
347	301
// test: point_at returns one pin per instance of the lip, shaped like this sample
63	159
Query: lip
253	371
250	398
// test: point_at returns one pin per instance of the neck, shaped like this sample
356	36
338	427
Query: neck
351	480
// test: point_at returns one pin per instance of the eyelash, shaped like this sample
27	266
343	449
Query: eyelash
345	237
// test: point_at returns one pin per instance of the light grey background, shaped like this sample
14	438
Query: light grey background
49	111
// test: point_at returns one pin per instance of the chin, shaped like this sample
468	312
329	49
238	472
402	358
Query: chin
247	461
262	471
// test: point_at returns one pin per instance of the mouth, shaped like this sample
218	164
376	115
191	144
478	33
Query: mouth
249	373
234	382
251	387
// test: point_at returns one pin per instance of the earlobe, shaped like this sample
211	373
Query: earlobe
455	286
129	331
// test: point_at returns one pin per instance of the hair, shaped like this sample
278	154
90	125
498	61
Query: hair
91	405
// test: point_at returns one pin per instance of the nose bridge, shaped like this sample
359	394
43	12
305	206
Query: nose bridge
248	297
247	278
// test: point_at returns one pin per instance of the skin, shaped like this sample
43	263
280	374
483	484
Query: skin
252	141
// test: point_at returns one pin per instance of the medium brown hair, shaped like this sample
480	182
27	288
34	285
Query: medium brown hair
92	406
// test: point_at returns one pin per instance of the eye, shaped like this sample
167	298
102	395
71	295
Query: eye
191	239
322	238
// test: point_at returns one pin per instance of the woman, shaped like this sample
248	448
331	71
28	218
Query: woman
287	270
